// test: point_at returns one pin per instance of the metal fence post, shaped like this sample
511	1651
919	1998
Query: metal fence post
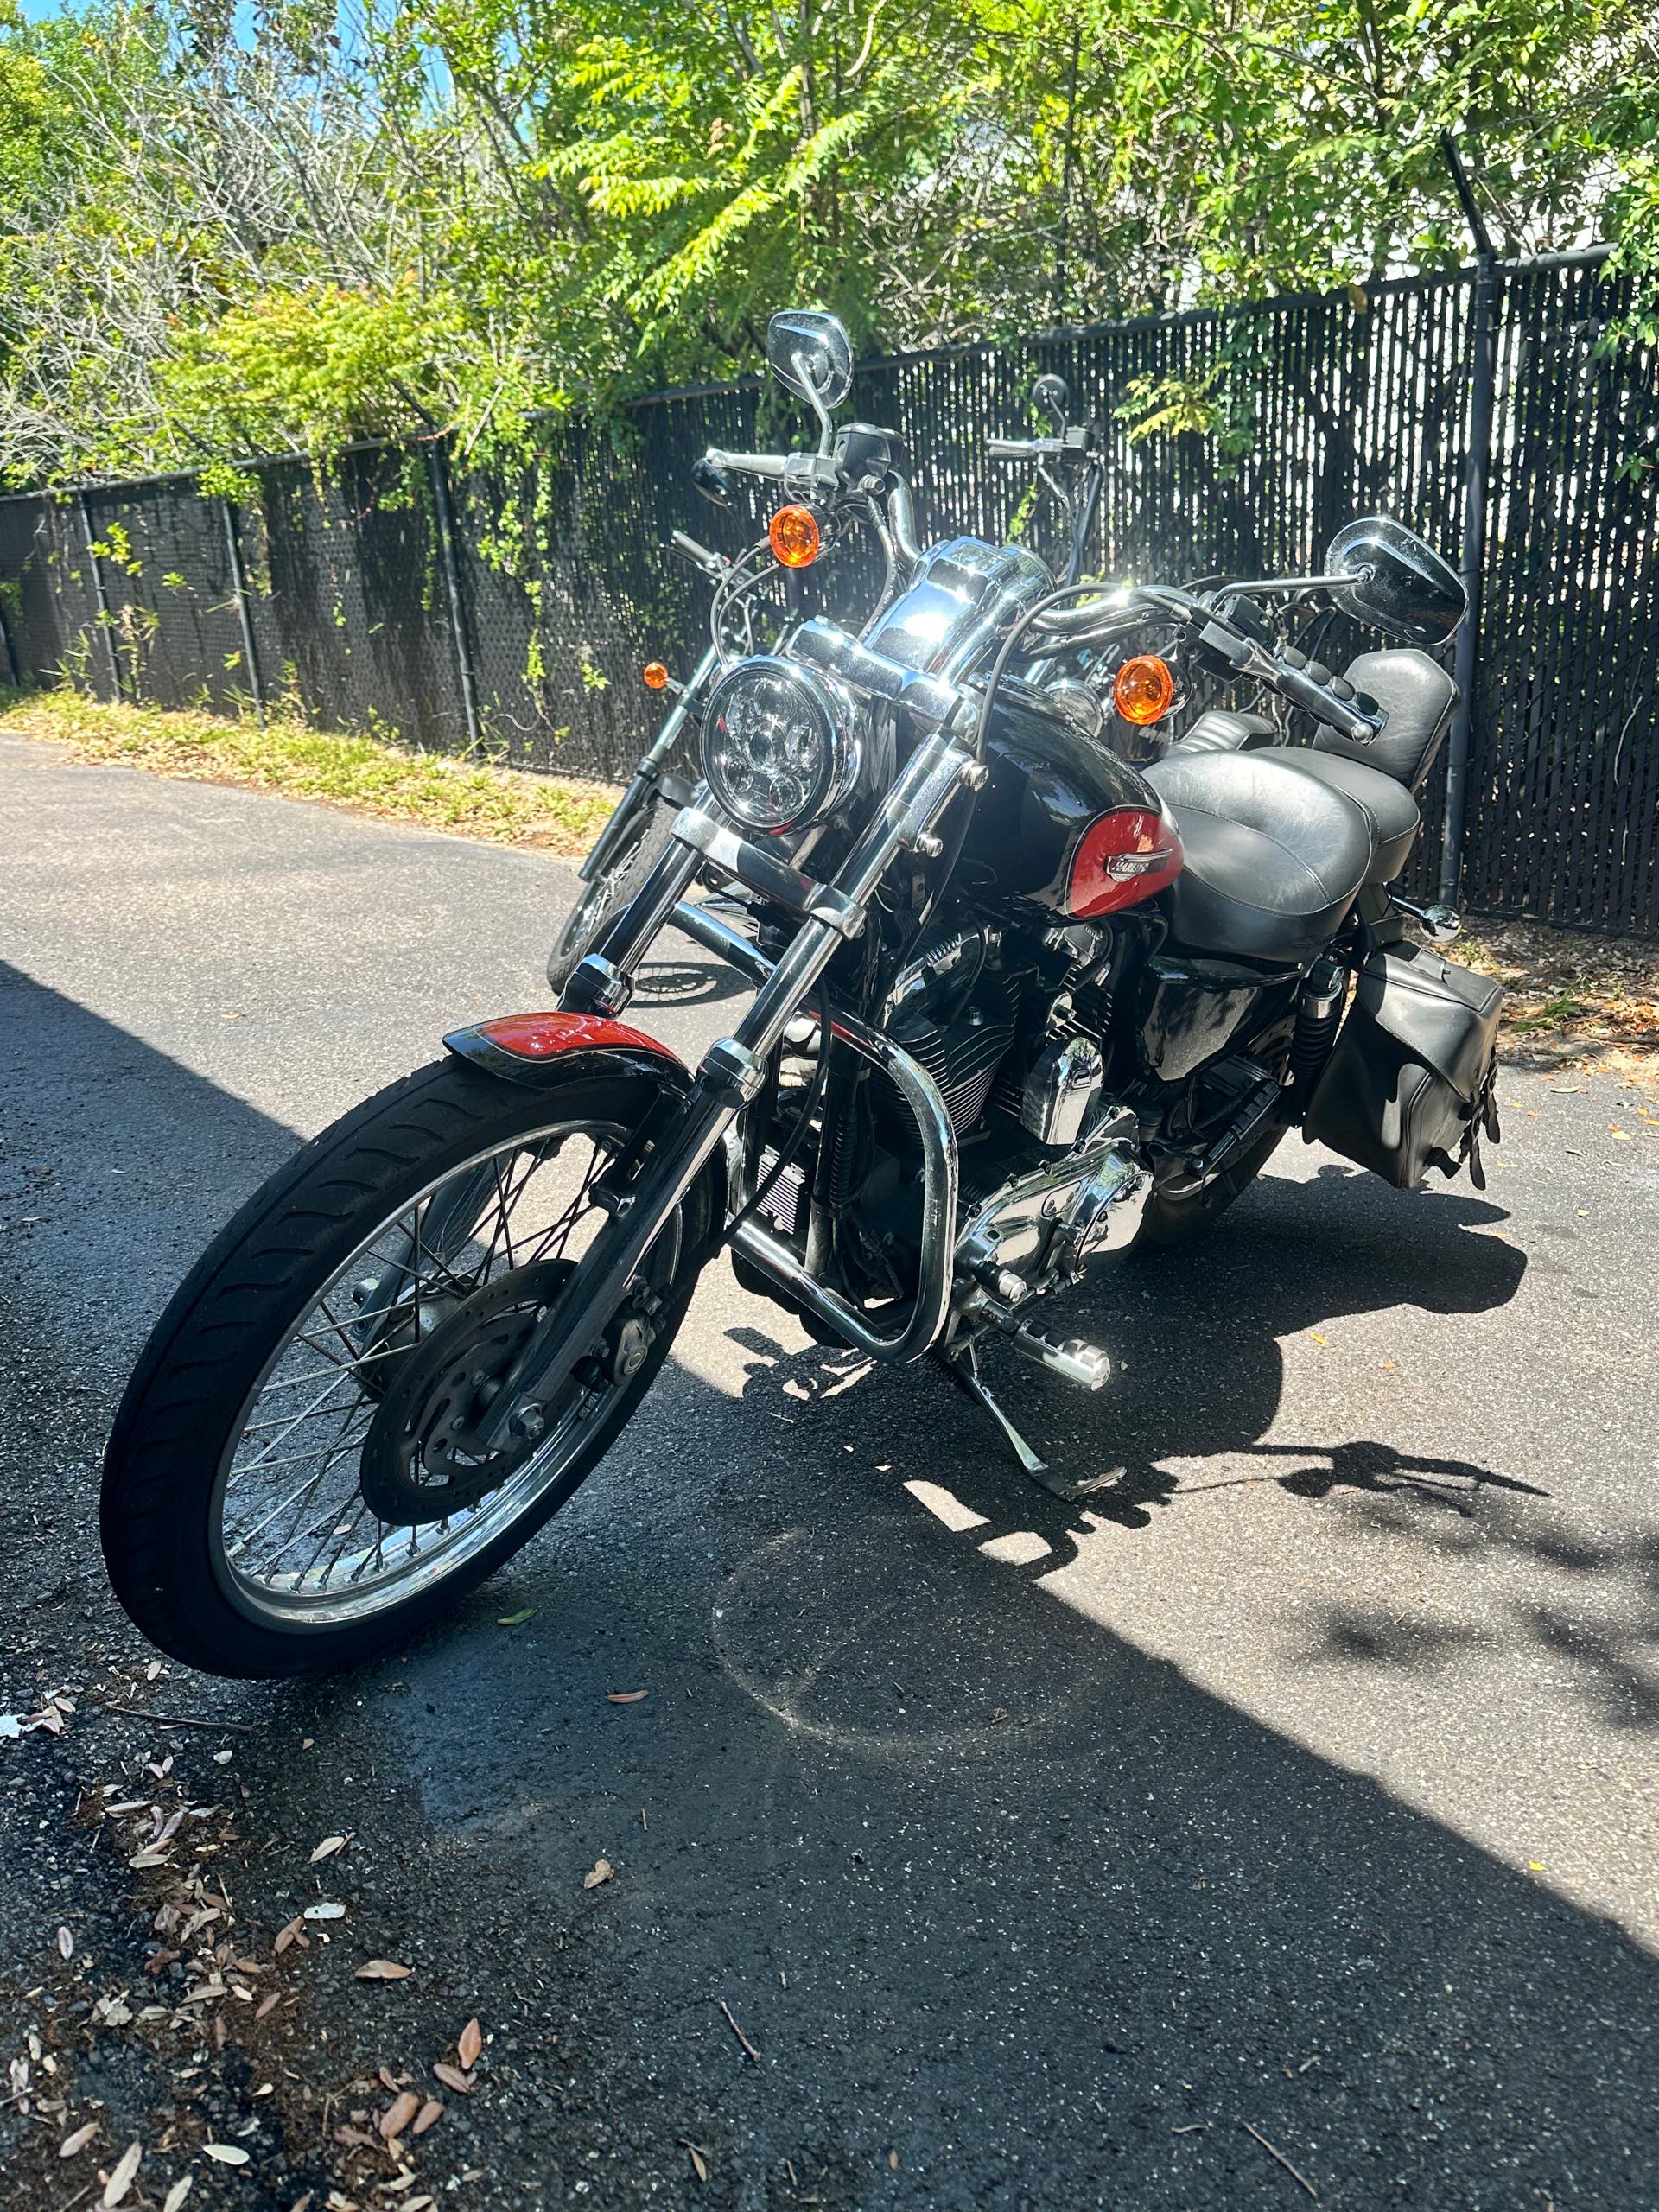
1483	386
105	622
14	673
249	655
439	468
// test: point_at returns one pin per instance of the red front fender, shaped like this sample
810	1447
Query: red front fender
535	1048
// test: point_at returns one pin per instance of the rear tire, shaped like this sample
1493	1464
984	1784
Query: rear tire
1170	1220
171	1522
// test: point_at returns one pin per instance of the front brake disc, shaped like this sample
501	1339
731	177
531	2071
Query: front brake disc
423	1458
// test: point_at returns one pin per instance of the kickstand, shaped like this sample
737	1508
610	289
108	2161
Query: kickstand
960	1364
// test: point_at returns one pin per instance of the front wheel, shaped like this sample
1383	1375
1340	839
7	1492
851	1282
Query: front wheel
298	1474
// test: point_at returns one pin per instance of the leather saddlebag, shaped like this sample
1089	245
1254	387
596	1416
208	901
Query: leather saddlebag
1409	1084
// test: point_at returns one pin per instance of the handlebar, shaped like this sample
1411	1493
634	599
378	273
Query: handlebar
1354	714
1025	448
811	472
1247	648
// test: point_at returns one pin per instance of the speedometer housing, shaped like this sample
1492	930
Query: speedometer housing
782	746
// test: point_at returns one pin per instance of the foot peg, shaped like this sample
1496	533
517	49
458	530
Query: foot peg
1069	1357
1440	924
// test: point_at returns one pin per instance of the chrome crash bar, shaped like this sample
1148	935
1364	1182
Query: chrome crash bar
921	1094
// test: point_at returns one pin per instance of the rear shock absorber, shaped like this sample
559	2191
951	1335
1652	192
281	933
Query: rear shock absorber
1318	1016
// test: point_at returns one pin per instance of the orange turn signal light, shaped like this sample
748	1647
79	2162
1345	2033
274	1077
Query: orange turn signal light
793	535
1143	690
654	676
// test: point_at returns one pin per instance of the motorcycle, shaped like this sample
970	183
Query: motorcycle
1019	1007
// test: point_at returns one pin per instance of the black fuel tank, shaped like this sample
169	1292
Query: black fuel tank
1048	782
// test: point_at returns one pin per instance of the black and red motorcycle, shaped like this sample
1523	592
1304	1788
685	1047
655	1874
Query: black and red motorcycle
1018	1004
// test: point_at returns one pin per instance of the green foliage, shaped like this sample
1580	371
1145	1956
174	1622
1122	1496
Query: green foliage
452	214
1210	405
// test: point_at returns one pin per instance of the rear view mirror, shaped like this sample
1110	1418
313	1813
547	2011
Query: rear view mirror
1053	395
810	355
716	485
1384	574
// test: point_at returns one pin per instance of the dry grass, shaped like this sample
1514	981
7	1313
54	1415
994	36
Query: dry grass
474	797
1572	1001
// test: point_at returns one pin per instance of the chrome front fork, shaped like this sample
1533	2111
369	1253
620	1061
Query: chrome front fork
733	1070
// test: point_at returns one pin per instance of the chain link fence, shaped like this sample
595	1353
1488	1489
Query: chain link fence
417	593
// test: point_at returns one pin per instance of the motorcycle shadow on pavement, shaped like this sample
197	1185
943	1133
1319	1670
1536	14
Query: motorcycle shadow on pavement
1198	1336
1016	1913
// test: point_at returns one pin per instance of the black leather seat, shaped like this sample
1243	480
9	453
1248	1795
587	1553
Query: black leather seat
1389	807
1272	857
1220	730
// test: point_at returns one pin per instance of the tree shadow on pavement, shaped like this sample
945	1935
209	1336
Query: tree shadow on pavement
1016	1915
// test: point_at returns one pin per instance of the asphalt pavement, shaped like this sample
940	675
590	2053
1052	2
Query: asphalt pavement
1275	1820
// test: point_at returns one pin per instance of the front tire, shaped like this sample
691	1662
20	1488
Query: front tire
234	1525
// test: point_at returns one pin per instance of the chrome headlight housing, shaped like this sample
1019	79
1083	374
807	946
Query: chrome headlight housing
782	746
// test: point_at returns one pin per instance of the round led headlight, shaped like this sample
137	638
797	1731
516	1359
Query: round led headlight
780	746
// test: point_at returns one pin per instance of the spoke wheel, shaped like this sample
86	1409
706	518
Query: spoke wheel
343	1474
647	838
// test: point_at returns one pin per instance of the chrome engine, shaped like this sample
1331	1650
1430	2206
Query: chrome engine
1039	1230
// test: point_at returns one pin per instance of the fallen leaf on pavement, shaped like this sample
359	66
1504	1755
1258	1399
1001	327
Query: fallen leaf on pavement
429	2115
517	1620
698	2158
624	1697
603	1871
65	1944
452	2078
398	2113
286	1936
383	1970
469	2043
176	2195
268	2004
120	2180
77	2141
228	2154
328	1847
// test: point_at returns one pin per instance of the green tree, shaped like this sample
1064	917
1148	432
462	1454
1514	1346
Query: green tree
451	214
